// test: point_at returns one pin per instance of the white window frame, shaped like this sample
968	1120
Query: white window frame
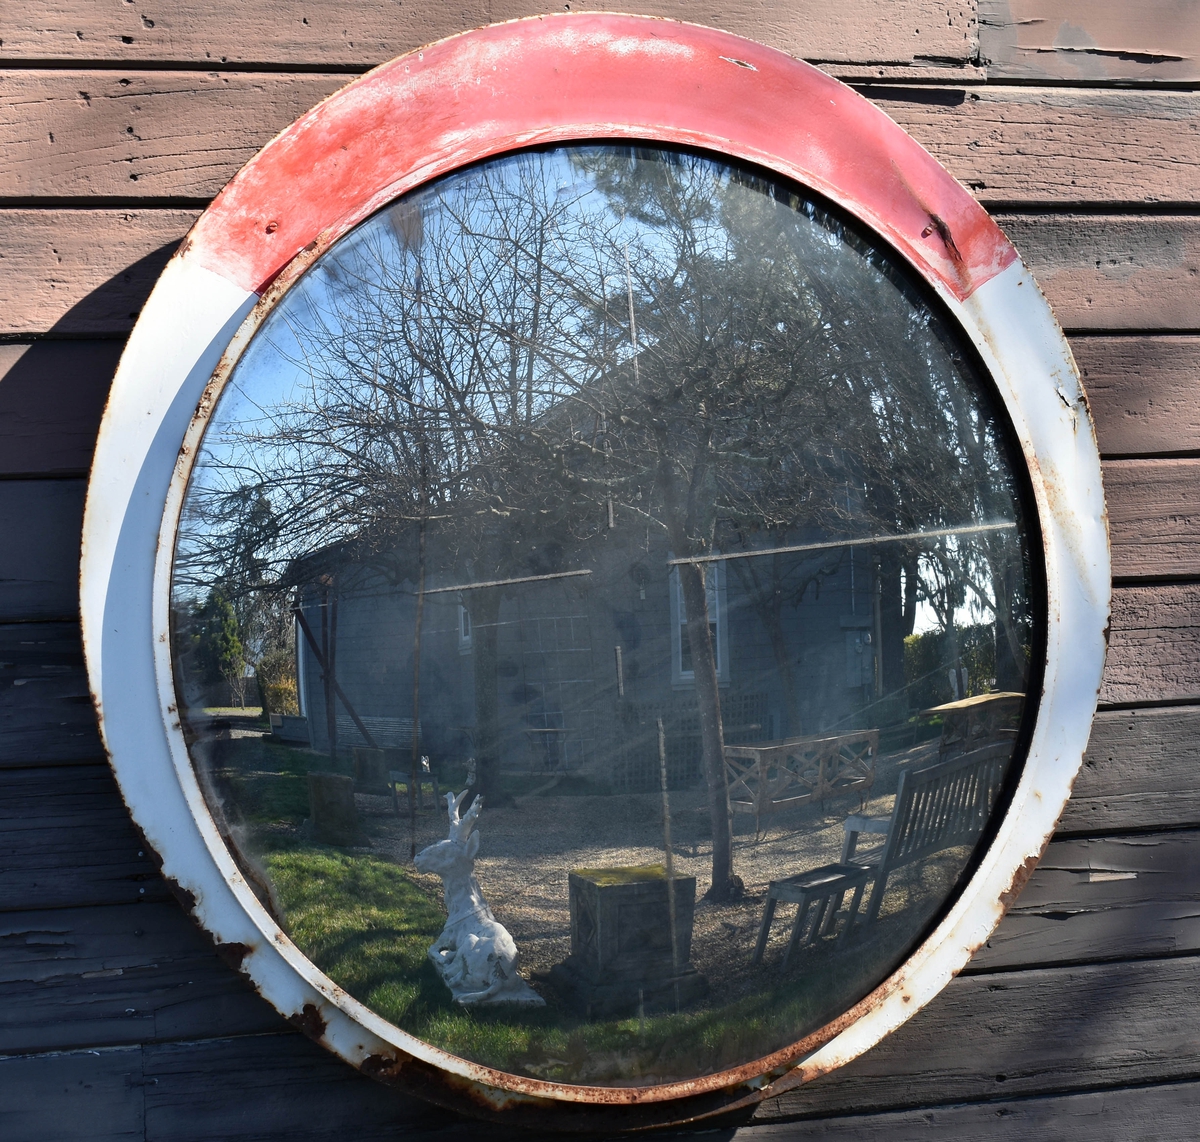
714	587
466	631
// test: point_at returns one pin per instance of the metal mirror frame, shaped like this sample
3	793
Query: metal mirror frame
540	81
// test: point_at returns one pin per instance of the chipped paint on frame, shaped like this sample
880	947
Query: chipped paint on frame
418	117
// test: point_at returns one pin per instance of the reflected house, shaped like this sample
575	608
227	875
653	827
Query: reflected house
591	649
580	647
569	392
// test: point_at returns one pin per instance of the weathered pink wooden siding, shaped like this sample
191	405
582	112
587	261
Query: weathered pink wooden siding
1076	121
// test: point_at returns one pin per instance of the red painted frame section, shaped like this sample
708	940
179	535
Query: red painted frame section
552	79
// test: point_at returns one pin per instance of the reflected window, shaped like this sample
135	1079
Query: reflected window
464	629
683	669
610	530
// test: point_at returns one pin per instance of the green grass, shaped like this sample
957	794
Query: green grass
268	782
367	924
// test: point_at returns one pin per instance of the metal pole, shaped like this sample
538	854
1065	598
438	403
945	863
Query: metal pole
670	862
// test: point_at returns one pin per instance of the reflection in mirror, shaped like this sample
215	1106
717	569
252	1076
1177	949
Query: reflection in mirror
650	505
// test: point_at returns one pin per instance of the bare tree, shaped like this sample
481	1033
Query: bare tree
552	346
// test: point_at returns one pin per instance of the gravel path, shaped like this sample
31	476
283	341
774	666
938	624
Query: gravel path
527	849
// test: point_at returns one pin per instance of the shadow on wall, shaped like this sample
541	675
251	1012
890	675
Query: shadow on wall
53	389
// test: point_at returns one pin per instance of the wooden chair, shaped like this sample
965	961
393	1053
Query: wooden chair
937	807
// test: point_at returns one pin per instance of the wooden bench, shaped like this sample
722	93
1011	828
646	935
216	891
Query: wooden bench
766	776
939	806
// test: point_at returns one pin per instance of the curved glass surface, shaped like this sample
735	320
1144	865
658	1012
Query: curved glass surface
652	504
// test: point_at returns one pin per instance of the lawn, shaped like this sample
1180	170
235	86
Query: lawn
367	924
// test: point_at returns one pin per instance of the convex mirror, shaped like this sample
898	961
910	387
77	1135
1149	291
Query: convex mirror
604	653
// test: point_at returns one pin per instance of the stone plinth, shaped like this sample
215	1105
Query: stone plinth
621	956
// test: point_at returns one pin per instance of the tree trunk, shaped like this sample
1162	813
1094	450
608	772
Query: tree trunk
911	573
1010	655
329	652
712	737
485	613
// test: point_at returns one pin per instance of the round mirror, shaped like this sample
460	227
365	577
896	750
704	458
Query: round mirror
603	613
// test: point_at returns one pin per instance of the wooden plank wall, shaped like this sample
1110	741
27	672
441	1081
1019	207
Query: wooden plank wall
1076	121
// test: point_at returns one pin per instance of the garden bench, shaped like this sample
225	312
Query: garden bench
821	890
937	807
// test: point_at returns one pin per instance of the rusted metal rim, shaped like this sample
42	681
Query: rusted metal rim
535	82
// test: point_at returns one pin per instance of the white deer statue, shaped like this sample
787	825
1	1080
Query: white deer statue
474	955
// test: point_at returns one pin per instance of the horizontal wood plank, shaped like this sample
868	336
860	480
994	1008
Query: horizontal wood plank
141	135
1058	145
66	839
1166	1112
1103	898
1154	645
287	33
39	566
89	271
46	711
1025	1033
52	395
81	1096
996	1036
102	1096
281	1086
135	973
1139	772
250	1088
1103	273
1151	41
1153	517
1142	391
